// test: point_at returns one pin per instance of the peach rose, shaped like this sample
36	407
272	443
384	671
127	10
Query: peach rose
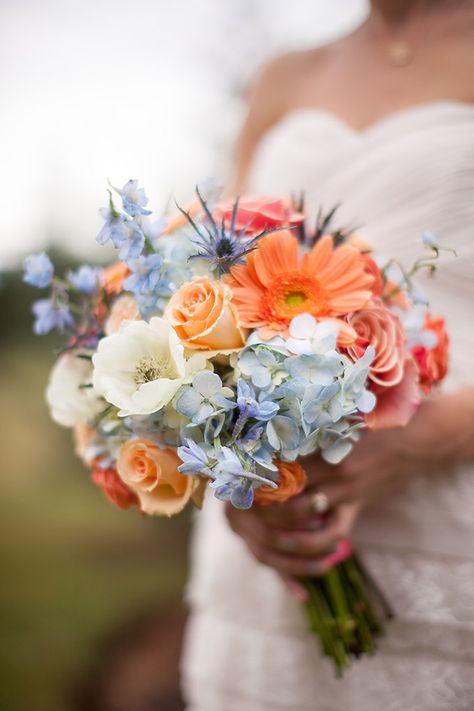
152	473
292	481
124	309
432	362
380	328
203	316
114	488
112	278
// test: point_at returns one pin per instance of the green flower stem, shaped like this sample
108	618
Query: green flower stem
343	609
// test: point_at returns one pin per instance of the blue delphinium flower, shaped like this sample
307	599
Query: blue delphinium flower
113	229
124	233
84	279
205	397
233	481
250	407
134	199
146	273
133	243
39	270
194	458
49	315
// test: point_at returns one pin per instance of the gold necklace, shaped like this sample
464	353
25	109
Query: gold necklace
400	53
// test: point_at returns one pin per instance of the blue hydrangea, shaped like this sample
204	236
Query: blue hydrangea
39	270
49	315
263	365
84	279
205	398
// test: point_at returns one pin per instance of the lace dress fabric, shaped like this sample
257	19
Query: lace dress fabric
247	644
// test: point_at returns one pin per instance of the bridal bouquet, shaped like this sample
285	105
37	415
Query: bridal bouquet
229	341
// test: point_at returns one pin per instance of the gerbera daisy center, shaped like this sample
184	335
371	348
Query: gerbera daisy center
292	293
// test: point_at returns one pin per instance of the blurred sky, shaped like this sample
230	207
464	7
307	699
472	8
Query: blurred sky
149	89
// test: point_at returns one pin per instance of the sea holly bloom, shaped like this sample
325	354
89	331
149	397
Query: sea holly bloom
38	270
50	314
204	398
275	284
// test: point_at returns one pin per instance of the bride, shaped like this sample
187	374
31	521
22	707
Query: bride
381	121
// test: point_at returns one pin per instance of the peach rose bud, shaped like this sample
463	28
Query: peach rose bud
113	277
203	316
124	309
152	473
292	481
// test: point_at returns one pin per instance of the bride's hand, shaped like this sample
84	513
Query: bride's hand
294	540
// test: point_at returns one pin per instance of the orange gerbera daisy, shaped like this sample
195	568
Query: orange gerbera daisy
275	284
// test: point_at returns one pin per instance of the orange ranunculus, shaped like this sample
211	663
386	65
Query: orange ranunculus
255	216
382	329
114	488
432	362
124	309
113	277
203	316
276	284
292	481
152	473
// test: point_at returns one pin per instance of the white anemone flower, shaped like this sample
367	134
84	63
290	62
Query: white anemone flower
70	395
140	368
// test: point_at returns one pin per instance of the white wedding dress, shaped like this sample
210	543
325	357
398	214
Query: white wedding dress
247	646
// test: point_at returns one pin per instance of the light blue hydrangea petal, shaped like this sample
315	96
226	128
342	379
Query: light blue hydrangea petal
207	383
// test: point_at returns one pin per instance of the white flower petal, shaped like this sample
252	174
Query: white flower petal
302	326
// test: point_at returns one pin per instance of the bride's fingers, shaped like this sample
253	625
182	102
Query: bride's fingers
319	543
307	506
288	566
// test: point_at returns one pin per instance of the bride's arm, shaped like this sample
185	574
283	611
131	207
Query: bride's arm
439	437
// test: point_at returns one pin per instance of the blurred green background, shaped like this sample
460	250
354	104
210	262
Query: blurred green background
86	589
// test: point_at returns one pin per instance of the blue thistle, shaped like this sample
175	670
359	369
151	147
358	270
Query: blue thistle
222	246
